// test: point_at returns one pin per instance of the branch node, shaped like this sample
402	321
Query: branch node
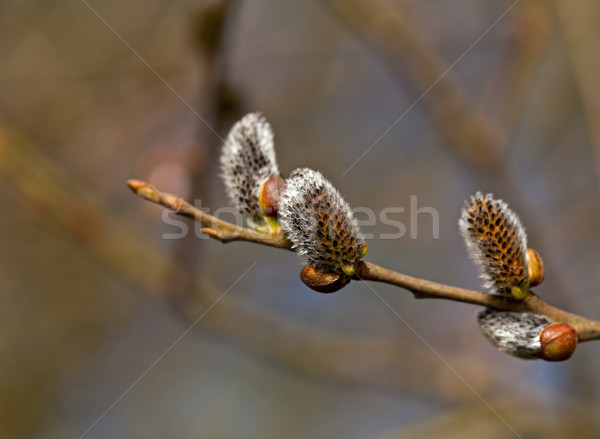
214	234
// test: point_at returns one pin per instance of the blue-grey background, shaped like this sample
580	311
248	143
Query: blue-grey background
85	314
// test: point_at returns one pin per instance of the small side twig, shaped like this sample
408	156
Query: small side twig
215	228
225	232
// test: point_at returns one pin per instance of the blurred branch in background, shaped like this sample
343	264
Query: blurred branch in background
579	21
54	199
344	359
475	420
218	103
390	35
530	32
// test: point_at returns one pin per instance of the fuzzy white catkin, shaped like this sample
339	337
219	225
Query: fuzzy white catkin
496	241
247	161
516	333
319	223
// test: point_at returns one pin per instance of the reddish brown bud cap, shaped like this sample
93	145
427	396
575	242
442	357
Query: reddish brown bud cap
558	341
268	196
535	266
323	282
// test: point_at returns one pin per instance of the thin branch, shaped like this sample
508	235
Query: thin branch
225	232
215	228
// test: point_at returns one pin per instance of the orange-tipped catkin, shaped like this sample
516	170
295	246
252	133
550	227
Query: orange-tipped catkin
516	333
320	224
247	163
497	243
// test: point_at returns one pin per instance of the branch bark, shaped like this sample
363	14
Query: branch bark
225	232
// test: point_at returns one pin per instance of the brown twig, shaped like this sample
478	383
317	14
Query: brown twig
215	228
223	231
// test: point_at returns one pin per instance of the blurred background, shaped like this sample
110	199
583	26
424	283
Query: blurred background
100	334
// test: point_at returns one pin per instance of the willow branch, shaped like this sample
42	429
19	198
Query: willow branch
215	228
225	232
588	329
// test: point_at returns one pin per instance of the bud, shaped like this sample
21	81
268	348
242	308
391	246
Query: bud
497	243
320	224
535	267
143	189
323	282
247	163
269	193
558	342
516	333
